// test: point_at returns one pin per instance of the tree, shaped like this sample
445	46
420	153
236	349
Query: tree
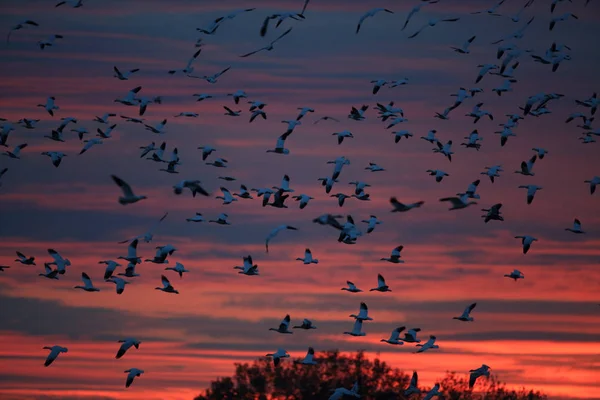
378	381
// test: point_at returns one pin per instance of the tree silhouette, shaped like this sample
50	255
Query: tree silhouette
291	380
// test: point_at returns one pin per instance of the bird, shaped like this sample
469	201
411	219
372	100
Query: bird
166	286
485	68
50	106
308	259
179	268
206	151
274	233
283	326
428	345
356	329
342	135
493	213
188	68
526	241
439	174
60	262
342	392
531	191
128	196
195	187
25	260
410	336
54	352
221	219
560	18
401	207
341	197
373	222
119	282
303	199
219	163
394	337
363	313
445	149
149	235
351	288
278	355
309	358
20	25
126	345
593	182
526	167
123	76
3	267
576	227
435	391
89	144
269	47
306	324
49	272
370	13
464	49
87	282
16	152
72	3
374	167
210	79
227	197
237	95
395	256
378	84
381	286
131	375
49	42
484	370
413	386
515	274
458	202
248	268
431	23
280	145
466	314
280	17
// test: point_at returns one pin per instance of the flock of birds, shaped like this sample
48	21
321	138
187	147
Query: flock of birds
276	196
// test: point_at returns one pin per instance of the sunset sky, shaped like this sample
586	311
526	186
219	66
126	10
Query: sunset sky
540	332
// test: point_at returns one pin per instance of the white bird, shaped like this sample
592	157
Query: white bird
104	119
221	219
593	182
303	199
196	218
413	387
206	151
526	241
576	227
49	272
342	392
477	113
166	286
464	49
280	17
428	345
492	172
363	313
89	144
54	352
484	370
131	375
179	268
466	314
188	68
243	194
186	114
219	163
328	183
119	282
72	3
128	196
401	207
473	140
358	115
394	337
401	134
341	135
104	134
433	22
227	197
370	13
202	96
411	336
435	391
439	174
285	184
248	268
504	88
49	42
283	326
518	34
415	10
274	233
149	235
16	153
60	262
381	286
398	82
431	137
378	84
561	18
278	355
485	68
129	272
20	25
526	167
269	47
459	202
50	106
356	329
515	274
306	324
123	76
232	113
491	10
126	345
87	282
374	167
159	128
308	259
445	149
351	288
280	146
237	95
395	256
373	222
309	358
210	79
132	256
531	191
256	113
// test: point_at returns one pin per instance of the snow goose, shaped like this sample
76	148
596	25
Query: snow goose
561	18
515	274
473	138
283	326
50	106
476	113
373	222
106	134
439	174
396	121
374	167
195	187
285	184
358	115
186	114
504	135
443	115
227	178
231	113
104	119
159	128
219	163
274	233
3	267
89	144
202	96
188	68
28	123
227	197
123	76
243	194
54	352
492	213
378	84
428	345
60	262
466	314
309	358
394	336
280	17
132	256
491	10
593	182
131	375
471	189
381	286
484	370
339	163
210	79
87	282
356	329
411	336
433	22
162	252
280	146
328	183
526	167
196	218
401	207
269	47
256	105
341	198
395	256
119	282
492	172
431	137
342	135
526	241
248	268
531	191
128	196
518	34
370	13
149	235
484	69
464	49
256	113
306	324
363	314
72	3
278	355
20	25
221	219
342	393
435	391
55	156
126	345
49	272
325	118
179	268
206	151
166	286
459	202
49	42
16	153
237	95
576	227
413	387
593	102
303	199
351	288
401	134
308	259
445	149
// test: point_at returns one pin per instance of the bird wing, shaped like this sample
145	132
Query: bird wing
280	36
123	185
86	280
165	281
380	280
253	52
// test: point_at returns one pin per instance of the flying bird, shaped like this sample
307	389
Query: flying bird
370	13
54	352
274	233
466	314
269	47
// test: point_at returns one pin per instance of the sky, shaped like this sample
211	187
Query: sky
540	332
